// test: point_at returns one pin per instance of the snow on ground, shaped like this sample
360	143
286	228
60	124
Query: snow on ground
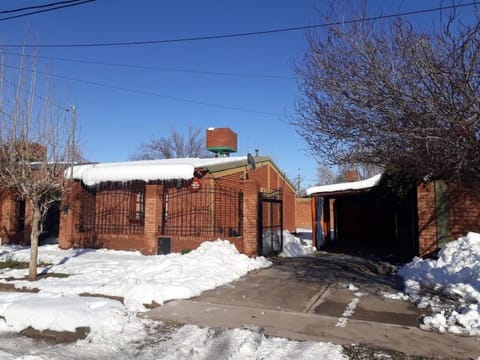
450	285
246	344
299	245
116	330
186	342
138	279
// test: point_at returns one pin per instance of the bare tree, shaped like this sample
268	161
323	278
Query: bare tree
332	175
36	144
366	171
326	175
386	93
175	145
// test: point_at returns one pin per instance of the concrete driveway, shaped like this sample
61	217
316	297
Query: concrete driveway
328	297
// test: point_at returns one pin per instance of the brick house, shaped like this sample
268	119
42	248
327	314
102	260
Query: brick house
364	216
16	220
303	213
167	205
12	218
158	206
16	214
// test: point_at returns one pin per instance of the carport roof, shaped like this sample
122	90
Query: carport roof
346	187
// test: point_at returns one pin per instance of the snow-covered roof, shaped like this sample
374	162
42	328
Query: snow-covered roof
346	186
146	170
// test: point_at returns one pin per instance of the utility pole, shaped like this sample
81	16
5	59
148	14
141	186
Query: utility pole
72	149
299	179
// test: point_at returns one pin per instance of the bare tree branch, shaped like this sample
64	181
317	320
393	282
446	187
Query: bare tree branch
176	145
389	94
34	147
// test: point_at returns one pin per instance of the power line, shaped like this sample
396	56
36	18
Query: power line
243	34
143	67
75	3
38	6
149	93
14	85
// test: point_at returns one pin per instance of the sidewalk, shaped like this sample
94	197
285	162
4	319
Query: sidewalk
293	301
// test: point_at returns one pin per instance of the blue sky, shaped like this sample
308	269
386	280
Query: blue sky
114	122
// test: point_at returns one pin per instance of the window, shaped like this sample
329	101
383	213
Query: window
20	215
113	210
137	207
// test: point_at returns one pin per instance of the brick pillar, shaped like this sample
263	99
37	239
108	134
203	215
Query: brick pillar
153	208
427	225
4	216
1	217
313	212
69	214
250	218
9	222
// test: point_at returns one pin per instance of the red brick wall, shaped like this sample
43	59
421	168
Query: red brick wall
265	176
124	242
7	216
351	175
234	180
189	203
464	211
30	150
9	220
463	214
9	209
427	231
181	243
250	212
303	213
2	199
153	210
247	242
68	234
289	210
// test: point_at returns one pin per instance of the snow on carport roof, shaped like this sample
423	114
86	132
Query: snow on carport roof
346	186
146	170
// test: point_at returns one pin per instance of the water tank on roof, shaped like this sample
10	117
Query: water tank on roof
221	141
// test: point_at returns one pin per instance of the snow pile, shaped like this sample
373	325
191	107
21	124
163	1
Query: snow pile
294	246
136	278
195	343
187	342
106	318
450	285
116	332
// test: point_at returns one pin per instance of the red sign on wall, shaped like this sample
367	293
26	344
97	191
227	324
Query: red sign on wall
195	185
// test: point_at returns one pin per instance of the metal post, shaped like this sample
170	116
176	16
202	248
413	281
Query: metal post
74	125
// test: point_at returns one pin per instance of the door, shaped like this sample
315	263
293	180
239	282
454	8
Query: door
270	222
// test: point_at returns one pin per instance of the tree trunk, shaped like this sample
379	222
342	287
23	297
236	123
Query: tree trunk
32	269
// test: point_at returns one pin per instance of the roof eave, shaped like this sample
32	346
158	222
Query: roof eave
342	192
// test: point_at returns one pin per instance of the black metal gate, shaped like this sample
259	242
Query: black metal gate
207	211
270	222
114	209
